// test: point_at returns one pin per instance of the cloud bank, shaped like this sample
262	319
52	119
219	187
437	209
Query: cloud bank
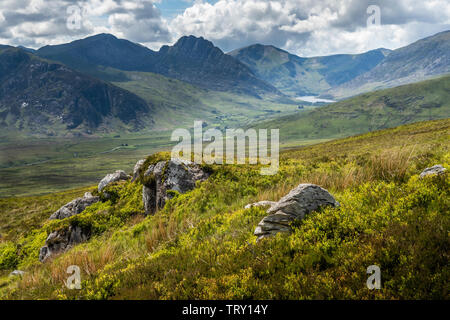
303	27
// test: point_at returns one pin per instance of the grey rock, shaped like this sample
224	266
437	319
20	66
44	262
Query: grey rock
434	170
112	177
260	204
137	169
177	175
294	206
75	206
62	240
17	273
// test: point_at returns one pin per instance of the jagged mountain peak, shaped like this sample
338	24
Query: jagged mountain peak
192	46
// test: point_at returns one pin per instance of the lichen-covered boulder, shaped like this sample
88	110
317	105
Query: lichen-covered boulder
112	177
137	169
171	175
294	206
434	170
61	240
75	206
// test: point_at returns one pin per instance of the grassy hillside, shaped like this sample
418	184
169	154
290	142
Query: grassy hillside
377	110
179	103
201	245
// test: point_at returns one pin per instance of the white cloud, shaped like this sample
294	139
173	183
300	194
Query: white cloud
312	27
36	23
304	27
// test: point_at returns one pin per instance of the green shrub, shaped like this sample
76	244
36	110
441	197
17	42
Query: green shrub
8	256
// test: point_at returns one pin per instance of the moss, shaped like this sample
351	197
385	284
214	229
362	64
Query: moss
172	194
152	160
149	181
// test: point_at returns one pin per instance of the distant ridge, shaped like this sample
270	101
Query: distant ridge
297	76
190	59
423	59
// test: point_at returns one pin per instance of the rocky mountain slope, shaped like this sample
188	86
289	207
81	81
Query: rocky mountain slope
423	59
37	96
297	76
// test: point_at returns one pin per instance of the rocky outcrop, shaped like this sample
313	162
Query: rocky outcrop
434	170
159	180
112	177
164	176
61	240
294	206
260	204
137	169
75	206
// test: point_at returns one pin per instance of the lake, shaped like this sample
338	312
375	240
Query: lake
314	99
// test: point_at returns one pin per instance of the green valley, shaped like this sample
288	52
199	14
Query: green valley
367	112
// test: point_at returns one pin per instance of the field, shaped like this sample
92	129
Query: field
40	166
201	245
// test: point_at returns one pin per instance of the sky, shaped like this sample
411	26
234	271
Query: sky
303	27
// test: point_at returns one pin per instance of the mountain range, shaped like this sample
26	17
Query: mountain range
190	59
298	76
423	59
345	75
105	84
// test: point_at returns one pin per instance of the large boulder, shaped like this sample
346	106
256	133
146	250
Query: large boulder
75	206
62	240
434	170
112	177
164	176
294	206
